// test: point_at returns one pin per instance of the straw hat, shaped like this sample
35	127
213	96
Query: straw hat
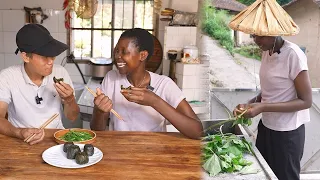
264	18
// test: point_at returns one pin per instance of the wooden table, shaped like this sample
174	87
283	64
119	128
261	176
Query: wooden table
126	155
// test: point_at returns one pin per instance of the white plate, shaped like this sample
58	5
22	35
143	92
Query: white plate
56	157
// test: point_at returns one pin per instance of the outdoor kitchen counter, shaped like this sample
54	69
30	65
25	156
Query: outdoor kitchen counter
126	155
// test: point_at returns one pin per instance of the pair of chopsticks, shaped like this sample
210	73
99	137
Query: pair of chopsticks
45	124
95	95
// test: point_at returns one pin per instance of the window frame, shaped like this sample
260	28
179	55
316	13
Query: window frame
85	60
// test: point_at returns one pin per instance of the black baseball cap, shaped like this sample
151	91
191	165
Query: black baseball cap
34	38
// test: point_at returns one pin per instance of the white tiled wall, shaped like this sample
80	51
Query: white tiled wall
162	24
193	79
9	42
1	29
18	4
12	18
11	59
1	61
52	24
176	38
188	5
1	42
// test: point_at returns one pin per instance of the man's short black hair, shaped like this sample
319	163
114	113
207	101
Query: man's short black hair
141	38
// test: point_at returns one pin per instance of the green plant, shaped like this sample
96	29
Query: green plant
250	51
215	24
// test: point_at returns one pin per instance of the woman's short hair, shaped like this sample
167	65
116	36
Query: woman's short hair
141	38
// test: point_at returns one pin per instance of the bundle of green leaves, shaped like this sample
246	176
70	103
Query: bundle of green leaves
240	119
225	153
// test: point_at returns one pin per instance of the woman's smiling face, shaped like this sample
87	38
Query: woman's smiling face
127	58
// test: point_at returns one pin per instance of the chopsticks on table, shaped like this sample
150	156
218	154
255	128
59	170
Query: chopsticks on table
95	95
45	124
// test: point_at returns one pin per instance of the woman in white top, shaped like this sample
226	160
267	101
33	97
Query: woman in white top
284	100
151	101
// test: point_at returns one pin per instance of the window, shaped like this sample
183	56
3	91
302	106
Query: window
96	37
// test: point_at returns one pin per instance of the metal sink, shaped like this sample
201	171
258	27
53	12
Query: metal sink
226	127
265	172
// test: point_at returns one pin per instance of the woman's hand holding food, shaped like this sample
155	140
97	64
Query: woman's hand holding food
141	96
251	110
65	91
102	102
26	132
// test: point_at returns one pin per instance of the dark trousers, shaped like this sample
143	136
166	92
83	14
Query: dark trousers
282	150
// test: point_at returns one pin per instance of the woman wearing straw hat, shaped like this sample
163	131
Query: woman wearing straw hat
286	93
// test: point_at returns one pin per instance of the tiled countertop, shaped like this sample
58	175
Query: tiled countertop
85	101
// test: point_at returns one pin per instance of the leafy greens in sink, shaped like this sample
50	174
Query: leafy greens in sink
224	153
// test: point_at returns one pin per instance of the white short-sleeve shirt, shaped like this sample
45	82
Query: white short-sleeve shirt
277	74
138	117
19	92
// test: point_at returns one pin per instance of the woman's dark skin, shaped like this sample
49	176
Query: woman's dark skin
301	82
183	117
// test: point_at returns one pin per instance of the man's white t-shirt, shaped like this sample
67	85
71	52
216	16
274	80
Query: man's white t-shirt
277	74
138	117
19	92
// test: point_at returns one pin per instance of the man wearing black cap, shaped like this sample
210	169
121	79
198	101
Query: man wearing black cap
28	92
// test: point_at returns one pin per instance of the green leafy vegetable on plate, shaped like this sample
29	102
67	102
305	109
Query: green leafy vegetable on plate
75	136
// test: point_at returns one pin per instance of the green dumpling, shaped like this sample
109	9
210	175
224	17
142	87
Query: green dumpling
57	80
127	88
89	149
82	158
67	145
72	151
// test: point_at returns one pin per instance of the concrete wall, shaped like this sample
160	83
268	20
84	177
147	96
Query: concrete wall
307	15
244	39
